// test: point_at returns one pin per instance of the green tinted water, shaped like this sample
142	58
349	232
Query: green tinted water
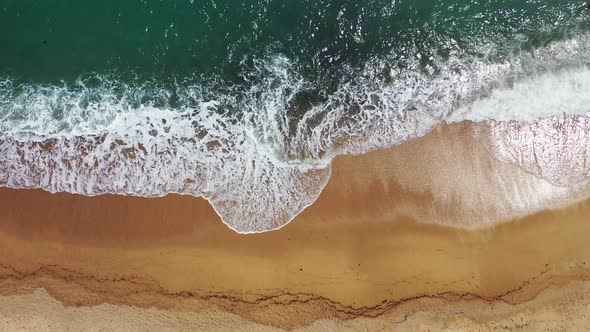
49	41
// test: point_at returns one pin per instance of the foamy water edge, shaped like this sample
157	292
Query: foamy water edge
258	155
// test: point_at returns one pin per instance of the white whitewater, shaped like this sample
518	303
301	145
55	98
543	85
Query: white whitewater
260	167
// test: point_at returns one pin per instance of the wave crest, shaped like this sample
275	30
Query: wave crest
260	152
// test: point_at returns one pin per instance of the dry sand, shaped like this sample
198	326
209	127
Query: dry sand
372	253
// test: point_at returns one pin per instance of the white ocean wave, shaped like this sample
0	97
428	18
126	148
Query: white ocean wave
243	150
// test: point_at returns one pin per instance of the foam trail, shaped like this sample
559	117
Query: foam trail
554	148
387	105
104	142
545	95
106	164
258	164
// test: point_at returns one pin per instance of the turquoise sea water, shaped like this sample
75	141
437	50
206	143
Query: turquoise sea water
246	102
49	41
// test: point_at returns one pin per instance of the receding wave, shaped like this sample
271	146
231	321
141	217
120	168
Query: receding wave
261	152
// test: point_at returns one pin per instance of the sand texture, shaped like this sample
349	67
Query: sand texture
401	239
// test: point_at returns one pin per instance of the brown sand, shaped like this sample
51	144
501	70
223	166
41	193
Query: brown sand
361	257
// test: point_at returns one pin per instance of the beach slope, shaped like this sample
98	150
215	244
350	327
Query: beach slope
432	234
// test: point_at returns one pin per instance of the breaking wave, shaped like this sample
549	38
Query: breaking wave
260	151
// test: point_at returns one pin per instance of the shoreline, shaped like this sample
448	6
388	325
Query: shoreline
376	243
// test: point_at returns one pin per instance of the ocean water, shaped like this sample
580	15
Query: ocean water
245	103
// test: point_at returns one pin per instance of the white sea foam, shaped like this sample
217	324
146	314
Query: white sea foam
556	148
258	164
102	142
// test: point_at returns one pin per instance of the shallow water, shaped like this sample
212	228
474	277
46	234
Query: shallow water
246	103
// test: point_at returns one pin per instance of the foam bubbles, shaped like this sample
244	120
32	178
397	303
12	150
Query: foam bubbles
387	104
257	162
113	138
556	148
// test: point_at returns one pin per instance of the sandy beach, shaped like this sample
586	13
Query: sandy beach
406	238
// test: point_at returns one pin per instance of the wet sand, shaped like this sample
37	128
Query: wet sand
394	241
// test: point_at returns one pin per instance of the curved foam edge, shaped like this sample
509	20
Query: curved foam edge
237	226
89	140
73	165
555	148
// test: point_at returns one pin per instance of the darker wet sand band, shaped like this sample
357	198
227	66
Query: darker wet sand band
367	248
